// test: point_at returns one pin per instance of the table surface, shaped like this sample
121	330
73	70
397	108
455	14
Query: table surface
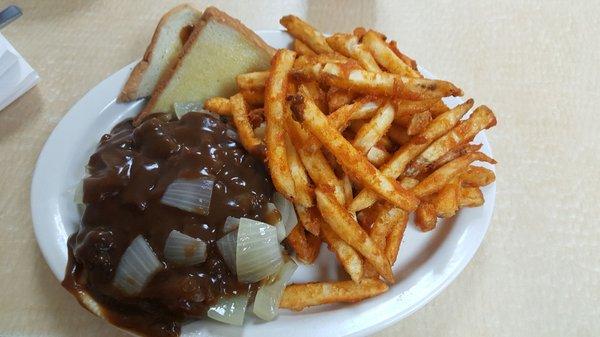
536	63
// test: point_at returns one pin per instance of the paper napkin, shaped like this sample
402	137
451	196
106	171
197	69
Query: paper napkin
16	75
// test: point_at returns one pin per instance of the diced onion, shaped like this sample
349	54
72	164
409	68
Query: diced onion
227	246
231	224
184	250
182	108
136	267
190	195
268	296
230	310
257	251
289	220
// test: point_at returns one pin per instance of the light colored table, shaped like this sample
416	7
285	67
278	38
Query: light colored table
536	64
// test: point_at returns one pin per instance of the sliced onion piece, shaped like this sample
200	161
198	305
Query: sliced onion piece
192	195
289	220
227	247
136	267
261	130
257	252
279	225
184	250
230	310
268	296
181	108
231	224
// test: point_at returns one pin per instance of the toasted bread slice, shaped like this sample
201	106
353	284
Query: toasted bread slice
219	49
173	30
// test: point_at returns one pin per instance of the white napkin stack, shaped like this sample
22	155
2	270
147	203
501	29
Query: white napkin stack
16	75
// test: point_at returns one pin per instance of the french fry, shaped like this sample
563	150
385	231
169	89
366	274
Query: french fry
350	231
239	112
309	218
387	217
348	256
453	154
252	81
384	55
398	135
317	94
349	46
408	182
481	118
306	33
219	105
377	156
353	163
302	187
405	109
368	107
440	177
396	165
412	63
477	176
302	49
445	201
395	236
426	217
337	98
347	186
305	245
341	117
359	32
470	197
275	113
254	97
370	133
385	84
299	296
418	123
438	108
313	160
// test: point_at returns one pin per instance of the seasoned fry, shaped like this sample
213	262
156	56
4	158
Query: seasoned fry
309	218
347	186
351	160
305	33
445	201
305	245
219	105
239	111
426	217
412	63
349	46
302	49
396	165
303	190
300	296
368	107
313	159
317	94
477	176
470	197
453	154
359	32
438	108
377	156
387	216
394	239
350	231
440	177
418	123
254	97
252	81
368	135
340	118
386	84
405	109
482	118
384	55
336	98
275	134
348	256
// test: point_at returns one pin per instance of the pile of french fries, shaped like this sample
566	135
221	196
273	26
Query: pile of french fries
357	139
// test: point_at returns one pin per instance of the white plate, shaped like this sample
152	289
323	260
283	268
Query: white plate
426	265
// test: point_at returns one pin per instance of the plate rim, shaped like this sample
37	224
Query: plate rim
47	251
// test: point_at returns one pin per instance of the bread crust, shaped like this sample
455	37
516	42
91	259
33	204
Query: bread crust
130	89
210	14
